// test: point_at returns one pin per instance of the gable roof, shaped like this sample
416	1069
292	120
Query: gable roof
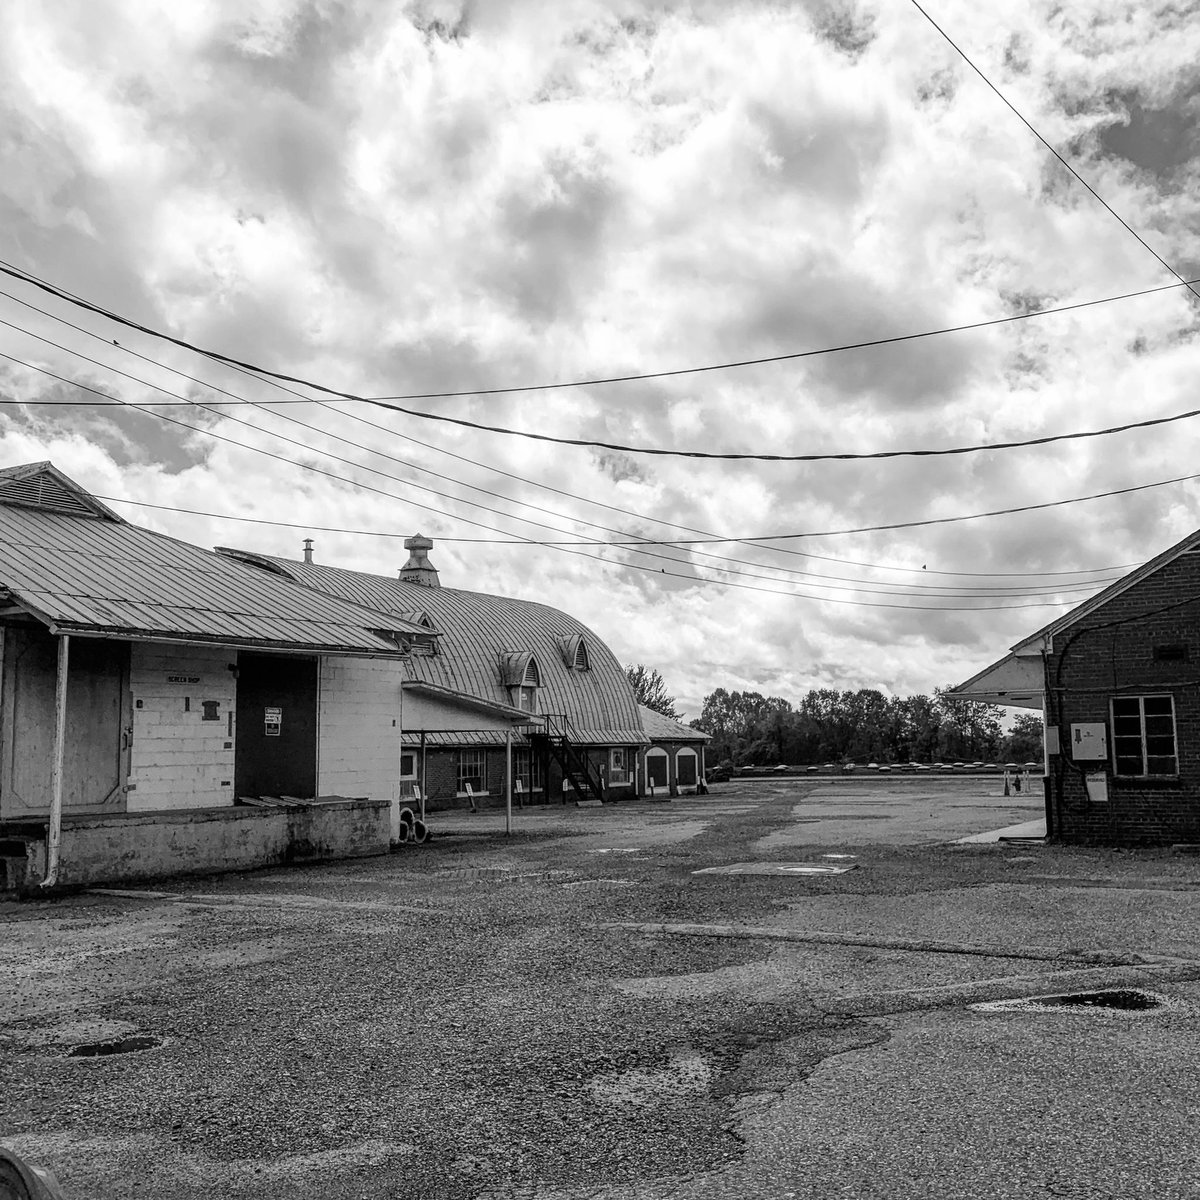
1101	598
43	486
479	635
666	729
1016	678
67	561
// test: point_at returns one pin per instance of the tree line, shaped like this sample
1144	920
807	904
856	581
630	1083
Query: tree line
840	726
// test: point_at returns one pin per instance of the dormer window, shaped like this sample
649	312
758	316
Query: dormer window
574	652
521	675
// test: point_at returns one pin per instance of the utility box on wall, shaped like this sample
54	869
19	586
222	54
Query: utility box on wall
1089	742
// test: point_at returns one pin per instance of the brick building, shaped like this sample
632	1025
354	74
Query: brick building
150	685
1118	681
500	680
673	763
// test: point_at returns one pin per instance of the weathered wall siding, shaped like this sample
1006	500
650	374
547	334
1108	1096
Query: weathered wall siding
1110	660
358	747
429	713
177	759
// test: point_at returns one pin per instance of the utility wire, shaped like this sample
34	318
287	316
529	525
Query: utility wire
806	576
1072	588
625	449
565	547
1020	117
759	538
195	512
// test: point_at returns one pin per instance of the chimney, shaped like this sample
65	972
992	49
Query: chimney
308	545
419	569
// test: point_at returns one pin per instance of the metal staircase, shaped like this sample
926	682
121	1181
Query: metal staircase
557	735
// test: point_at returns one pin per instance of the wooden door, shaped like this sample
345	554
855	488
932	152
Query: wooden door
276	744
95	759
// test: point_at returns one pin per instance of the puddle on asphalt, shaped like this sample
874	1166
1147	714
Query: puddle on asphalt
770	868
129	1045
1128	1000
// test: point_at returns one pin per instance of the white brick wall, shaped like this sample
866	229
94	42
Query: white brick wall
178	759
358	711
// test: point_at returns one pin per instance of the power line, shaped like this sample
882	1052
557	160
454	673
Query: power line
754	540
661	571
516	541
1095	194
1071	588
617	446
995	512
691	578
806	576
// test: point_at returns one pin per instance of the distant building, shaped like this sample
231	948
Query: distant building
1118	682
673	763
499	671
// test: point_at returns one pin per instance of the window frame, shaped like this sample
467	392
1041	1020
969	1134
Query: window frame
686	752
463	777
408	754
1143	737
532	778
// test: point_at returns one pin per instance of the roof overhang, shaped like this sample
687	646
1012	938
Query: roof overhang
518	716
1016	680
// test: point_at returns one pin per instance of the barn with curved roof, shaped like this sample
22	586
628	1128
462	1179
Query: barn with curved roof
494	666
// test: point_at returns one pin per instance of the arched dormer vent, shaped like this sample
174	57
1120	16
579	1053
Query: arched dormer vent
521	675
518	668
574	652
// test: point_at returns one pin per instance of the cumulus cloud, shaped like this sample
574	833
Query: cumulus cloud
443	196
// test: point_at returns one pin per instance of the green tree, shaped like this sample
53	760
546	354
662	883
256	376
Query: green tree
1024	741
651	691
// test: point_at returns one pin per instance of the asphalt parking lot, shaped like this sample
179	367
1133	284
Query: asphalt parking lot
574	1012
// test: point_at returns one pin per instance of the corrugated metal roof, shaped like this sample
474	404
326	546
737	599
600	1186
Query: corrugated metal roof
89	575
478	631
666	729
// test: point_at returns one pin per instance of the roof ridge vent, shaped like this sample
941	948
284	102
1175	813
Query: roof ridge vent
419	569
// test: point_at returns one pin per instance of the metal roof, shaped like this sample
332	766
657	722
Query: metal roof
666	729
87	573
478	632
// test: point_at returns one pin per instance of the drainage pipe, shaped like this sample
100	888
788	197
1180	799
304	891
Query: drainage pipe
54	837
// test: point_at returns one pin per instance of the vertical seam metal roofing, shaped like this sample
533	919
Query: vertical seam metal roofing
91	574
477	630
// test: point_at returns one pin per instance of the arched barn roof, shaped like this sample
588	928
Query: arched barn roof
481	640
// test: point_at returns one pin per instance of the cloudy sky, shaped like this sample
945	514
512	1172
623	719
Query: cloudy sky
398	199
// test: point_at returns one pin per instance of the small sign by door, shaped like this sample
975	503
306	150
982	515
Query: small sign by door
272	721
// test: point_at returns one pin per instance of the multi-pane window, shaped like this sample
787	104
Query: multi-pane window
470	770
527	767
1144	735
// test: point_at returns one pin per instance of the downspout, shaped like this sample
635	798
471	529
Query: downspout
54	837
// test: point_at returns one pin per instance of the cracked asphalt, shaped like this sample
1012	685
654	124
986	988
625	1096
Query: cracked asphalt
571	1013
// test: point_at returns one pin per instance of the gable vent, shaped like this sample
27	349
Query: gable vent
44	491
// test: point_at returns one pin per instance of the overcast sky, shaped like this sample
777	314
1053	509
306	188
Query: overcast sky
407	198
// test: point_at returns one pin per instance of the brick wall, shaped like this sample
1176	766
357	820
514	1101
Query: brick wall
177	759
1096	660
358	728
